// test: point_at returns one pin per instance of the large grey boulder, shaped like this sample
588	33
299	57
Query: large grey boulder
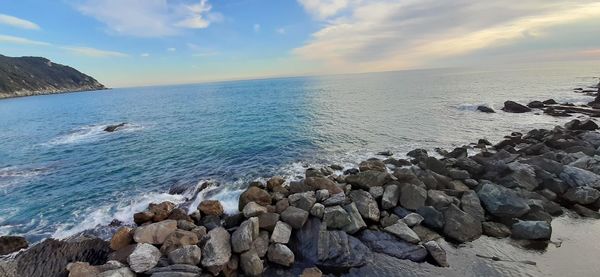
356	221
532	230
390	197
155	233
502	202
242	237
143	258
431	217
303	200
281	233
413	219
216	251
253	209
577	177
401	230
295	217
366	179
336	217
521	176
437	253
280	254
412	197
251	264
461	226
582	195
588	163
495	229
470	203
366	204
189	254
389	244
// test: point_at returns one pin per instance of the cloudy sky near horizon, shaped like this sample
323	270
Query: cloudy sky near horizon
138	42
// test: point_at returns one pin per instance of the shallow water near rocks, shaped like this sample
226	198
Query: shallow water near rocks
61	174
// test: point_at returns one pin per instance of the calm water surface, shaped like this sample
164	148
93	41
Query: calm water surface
61	174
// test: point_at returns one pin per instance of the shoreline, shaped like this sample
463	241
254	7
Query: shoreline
20	94
544	170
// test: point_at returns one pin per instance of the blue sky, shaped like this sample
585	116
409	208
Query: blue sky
146	42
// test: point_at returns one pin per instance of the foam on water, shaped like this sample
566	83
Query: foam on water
91	133
471	107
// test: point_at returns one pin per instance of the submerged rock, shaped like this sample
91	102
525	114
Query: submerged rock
514	107
112	128
485	109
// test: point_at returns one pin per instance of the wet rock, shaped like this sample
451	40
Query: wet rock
155	233
112	128
502	202
514	107
470	204
211	207
336	217
531	230
281	233
179	214
485	109
161	211
251	264
417	153
413	219
535	105
318	210
388	244
351	171
390	197
189	254
582	195
437	253
178	239
216	252
397	162
275	181
295	217
412	197
576	124
356	221
401	230
253	209
10	244
144	257
142	217
366	204
210	222
366	179
375	165
122	237
432	217
280	254
494	229
241	238
460	226
577	177
457	153
318	183
304	200
254	194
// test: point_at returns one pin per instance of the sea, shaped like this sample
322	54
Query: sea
61	173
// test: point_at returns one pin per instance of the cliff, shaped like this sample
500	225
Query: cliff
26	76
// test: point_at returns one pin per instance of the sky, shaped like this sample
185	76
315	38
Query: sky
151	42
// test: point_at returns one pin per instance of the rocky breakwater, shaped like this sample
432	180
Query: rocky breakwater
333	221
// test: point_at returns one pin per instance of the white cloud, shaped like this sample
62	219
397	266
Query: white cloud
18	22
280	31
256	27
171	49
392	34
20	40
150	18
145	55
93	52
324	8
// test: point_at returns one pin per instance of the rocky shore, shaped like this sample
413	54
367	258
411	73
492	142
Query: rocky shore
338	220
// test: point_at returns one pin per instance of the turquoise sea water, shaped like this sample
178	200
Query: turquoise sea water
60	173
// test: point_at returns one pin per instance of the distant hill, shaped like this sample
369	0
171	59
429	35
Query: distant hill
27	76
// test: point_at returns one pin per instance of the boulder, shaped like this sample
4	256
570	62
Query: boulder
502	202
295	217
281	233
458	174
461	226
280	254
112	128
161	211
80	269
178	239
388	244
366	204
582	195
281	205
401	230
189	254
413	219
390	196
535	105
470	203
576	124
120	272
412	197
155	233
321	195
143	258
577	177
425	233
261	244
532	230
376	192
431	217
211	207
356	221
176	270
275	181
457	153
439	199
522	175
375	165
437	253
216	251
494	229
336	217
434	165
251	264
241	238
142	217
588	163
586	212
303	200
335	199
318	183
514	107
10	244
253	209
318	210
311	272
366	179
210	222
185	225
254	194
485	109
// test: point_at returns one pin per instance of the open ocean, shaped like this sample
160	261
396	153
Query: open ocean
60	173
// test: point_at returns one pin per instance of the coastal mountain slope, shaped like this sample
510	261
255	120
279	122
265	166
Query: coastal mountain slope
25	76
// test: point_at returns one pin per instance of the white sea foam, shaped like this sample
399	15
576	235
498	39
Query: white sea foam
471	107
90	133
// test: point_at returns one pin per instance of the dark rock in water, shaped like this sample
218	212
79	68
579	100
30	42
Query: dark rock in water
576	124
555	112
432	217
9	244
397	162
549	102
485	109
112	128
417	153
375	165
386	153
50	258
514	107
461	226
459	152
502	202
388	244
535	104
351	171
494	229
532	230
